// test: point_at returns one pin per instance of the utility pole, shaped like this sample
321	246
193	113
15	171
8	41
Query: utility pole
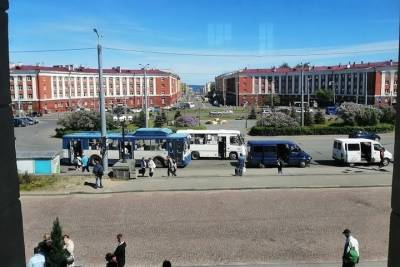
302	94
145	103
104	151
366	88
69	87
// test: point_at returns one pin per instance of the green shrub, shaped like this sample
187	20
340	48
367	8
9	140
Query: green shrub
57	256
177	114
158	121
308	117
25	178
356	114
388	115
318	130
319	117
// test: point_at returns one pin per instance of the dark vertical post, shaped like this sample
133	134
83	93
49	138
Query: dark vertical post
394	235
10	206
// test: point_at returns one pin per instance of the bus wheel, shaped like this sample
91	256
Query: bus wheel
195	155
93	158
385	162
302	164
233	156
159	162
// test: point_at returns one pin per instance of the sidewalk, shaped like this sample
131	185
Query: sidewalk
203	179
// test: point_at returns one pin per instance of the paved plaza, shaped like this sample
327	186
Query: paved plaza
216	227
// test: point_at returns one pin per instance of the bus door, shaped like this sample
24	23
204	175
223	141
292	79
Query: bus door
126	149
177	150
222	147
75	149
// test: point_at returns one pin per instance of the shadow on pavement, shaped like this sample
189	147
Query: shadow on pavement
92	185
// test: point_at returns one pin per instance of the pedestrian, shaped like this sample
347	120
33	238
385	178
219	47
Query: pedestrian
166	263
152	166
45	247
69	249
171	166
382	157
78	163
111	260
240	165
37	260
143	166
98	172
351	253
85	163
120	251
279	164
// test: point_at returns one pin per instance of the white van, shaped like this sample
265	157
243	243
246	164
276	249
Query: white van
359	150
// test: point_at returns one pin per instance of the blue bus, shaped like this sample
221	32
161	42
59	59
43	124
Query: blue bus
155	143
266	152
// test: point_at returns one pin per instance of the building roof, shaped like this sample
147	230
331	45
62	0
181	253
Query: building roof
37	154
350	65
67	68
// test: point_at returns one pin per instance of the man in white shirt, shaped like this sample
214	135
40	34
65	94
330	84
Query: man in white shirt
350	243
37	259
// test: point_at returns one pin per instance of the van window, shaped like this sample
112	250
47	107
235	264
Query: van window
377	147
335	144
258	149
353	147
339	145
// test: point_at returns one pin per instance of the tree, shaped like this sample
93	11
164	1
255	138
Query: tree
140	120
305	65
253	114
158	121
324	97
57	257
319	117
308	117
164	117
284	65
177	114
388	115
277	120
85	121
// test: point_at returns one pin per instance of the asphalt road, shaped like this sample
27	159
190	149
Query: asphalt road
214	228
40	137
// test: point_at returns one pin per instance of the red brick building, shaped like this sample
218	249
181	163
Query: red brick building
61	88
347	83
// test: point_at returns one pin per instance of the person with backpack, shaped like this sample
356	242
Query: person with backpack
98	172
143	165
351	253
171	166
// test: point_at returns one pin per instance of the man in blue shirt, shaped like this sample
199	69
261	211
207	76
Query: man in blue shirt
37	259
240	165
85	163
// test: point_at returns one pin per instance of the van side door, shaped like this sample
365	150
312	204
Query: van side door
376	154
270	156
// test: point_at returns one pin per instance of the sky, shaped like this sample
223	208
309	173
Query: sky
223	35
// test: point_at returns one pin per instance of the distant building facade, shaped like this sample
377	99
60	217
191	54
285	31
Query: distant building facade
347	83
62	88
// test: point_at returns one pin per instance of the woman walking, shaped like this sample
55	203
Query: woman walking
152	166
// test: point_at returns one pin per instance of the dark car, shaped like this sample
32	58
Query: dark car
18	122
28	121
364	134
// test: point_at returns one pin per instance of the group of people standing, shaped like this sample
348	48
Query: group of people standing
81	162
150	164
41	253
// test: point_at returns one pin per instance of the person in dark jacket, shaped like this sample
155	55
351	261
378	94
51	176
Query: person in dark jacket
98	172
279	164
45	246
120	251
111	260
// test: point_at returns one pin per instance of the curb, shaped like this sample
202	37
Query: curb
205	189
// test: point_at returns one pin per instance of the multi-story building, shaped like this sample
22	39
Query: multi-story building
62	88
347	82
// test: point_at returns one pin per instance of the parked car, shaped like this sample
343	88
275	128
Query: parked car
18	122
331	110
364	134
28	121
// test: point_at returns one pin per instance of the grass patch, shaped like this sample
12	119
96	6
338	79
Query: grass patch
29	182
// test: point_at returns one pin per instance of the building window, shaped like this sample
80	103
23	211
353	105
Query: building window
12	87
11	79
29	87
20	87
19	78
28	78
30	96
163	100
151	101
21	96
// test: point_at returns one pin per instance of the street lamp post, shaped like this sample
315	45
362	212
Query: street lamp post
333	88
145	103
302	94
102	105
69	87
